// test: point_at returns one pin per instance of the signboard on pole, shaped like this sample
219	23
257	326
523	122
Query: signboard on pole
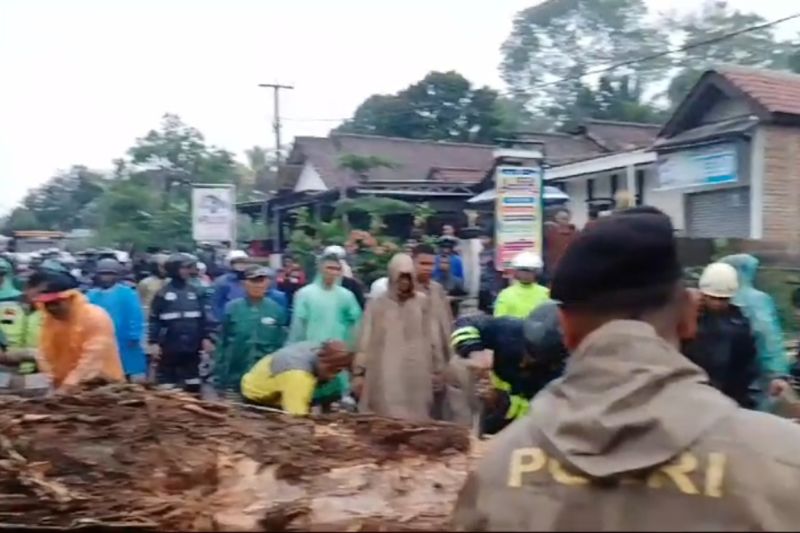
518	213
214	213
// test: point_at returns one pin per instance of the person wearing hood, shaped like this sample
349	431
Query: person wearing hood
632	438
348	281
77	341
397	367
252	327
759	309
525	294
230	286
180	327
724	345
122	304
324	310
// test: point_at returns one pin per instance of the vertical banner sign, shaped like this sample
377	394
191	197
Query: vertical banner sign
518	213
214	213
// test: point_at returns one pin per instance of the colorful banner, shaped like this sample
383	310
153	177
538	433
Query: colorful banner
214	213
518	213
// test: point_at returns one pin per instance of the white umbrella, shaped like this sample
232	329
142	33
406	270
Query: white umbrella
551	194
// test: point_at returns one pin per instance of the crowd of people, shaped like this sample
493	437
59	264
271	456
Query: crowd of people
615	371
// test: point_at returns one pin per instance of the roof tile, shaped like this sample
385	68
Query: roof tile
777	91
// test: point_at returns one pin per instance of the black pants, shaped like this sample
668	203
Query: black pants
180	370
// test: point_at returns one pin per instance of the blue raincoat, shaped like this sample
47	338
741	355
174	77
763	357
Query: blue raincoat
122	303
759	309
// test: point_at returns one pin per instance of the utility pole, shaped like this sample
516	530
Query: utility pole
276	123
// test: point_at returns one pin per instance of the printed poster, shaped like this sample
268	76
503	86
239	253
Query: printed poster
518	213
214	213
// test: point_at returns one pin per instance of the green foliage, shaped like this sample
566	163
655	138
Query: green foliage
361	165
370	251
442	106
760	48
59	204
561	39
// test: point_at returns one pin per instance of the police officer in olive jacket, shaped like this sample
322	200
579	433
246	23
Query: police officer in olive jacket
180	326
632	438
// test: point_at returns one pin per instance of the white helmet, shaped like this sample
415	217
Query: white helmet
335	250
378	287
236	255
527	261
719	280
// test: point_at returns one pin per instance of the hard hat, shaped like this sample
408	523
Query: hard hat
236	255
719	280
335	250
527	261
108	266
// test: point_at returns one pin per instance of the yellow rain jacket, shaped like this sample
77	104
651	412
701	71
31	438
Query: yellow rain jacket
284	379
520	300
80	348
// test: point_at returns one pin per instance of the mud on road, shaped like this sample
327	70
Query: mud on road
122	456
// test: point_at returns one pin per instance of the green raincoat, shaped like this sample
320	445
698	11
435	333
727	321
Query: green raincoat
322	314
759	309
249	332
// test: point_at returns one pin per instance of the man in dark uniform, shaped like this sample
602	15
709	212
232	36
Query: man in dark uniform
527	355
180	327
632	438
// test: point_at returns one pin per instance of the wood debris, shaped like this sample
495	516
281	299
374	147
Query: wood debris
126	457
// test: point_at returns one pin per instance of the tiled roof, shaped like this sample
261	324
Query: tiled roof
412	159
561	148
776	91
620	136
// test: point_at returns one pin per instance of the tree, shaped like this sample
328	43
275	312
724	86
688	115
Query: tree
564	39
442	106
360	165
148	202
759	48
59	203
260	172
176	155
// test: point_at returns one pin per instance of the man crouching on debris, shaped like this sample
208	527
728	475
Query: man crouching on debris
77	342
287	378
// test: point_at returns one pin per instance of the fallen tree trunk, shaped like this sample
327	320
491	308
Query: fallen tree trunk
121	456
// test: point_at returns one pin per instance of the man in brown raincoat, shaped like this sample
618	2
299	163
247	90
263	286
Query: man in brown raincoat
441	316
633	437
397	363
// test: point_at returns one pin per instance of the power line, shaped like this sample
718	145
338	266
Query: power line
659	55
601	70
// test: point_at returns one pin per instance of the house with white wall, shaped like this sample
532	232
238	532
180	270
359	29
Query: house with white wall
726	164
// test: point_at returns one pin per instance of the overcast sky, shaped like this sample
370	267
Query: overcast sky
81	79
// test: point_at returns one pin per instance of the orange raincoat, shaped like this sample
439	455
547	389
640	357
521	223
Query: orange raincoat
80	348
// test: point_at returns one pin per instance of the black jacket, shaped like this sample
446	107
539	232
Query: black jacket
725	348
354	286
180	318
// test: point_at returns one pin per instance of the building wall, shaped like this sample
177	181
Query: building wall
781	186
671	202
